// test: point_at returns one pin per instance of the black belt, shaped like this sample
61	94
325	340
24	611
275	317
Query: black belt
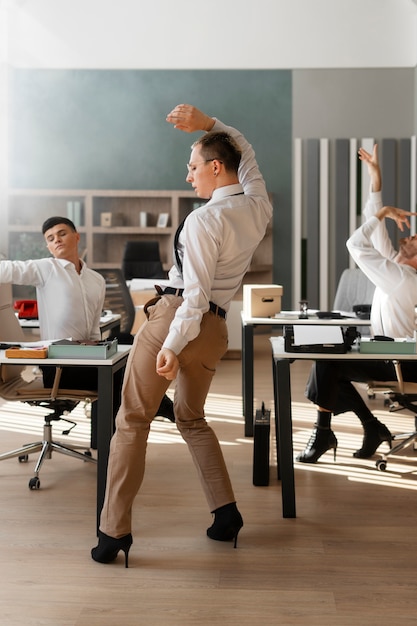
217	310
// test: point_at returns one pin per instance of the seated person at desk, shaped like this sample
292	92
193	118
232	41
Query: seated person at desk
70	299
394	276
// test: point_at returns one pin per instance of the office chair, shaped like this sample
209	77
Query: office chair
354	291
118	300
141	259
13	387
399	394
354	288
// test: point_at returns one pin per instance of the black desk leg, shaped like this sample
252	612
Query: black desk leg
247	378
283	429
105	426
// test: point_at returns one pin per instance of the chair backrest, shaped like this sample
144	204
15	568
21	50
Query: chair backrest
141	259
353	288
10	330
117	297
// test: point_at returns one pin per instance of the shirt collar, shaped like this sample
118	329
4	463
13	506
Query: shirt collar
66	262
229	190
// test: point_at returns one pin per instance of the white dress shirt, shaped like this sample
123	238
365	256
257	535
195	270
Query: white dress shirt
69	304
395	295
218	241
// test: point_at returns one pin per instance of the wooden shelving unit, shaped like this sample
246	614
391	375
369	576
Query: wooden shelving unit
103	245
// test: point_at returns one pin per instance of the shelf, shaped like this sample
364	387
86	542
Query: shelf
131	230
104	244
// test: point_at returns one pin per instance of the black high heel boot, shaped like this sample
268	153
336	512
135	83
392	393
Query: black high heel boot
227	524
108	548
375	433
321	440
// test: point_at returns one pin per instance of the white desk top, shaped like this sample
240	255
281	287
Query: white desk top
292	317
279	353
122	351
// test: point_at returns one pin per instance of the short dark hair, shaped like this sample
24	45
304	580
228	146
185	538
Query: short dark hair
54	221
220	145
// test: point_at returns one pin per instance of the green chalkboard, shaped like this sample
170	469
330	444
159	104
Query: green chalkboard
106	129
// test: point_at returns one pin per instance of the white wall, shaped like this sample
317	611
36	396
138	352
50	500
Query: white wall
220	34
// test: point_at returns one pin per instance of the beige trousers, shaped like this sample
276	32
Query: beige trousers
142	392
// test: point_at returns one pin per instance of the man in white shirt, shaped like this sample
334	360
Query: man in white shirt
186	332
70	296
70	299
392	314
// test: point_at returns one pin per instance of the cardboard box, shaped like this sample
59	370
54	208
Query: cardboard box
262	300
399	346
66	349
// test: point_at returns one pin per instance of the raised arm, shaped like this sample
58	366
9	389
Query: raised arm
380	238
188	118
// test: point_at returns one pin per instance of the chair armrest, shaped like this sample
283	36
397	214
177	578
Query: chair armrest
57	380
399	375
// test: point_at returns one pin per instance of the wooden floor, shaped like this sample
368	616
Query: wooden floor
349	558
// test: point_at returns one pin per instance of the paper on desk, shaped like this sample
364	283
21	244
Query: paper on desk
143	284
309	335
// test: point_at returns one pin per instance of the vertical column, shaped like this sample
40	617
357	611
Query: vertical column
341	208
297	223
404	176
324	247
312	221
413	182
388	161
354	198
368	144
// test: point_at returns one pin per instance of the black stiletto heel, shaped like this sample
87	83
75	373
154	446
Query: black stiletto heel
109	547
375	433
227	524
321	440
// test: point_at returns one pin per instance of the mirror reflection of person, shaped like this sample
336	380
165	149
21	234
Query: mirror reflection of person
393	273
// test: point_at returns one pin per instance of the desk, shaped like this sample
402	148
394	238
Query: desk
285	318
107	322
106	368
281	361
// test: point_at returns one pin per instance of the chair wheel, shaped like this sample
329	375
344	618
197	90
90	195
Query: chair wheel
23	458
381	465
88	453
34	483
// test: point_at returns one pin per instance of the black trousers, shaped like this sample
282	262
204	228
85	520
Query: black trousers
330	382
85	378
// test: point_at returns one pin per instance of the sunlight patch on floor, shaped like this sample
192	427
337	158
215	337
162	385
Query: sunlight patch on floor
401	469
22	418
227	409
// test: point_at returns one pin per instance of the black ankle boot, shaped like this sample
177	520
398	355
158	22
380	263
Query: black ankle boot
227	523
375	433
166	409
108	548
321	440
